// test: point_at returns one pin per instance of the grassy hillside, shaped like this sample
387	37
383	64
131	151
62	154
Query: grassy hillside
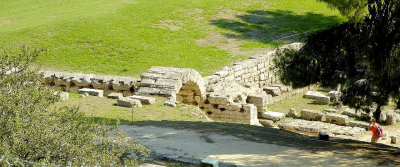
126	37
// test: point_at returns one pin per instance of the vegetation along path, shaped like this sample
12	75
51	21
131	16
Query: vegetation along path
126	37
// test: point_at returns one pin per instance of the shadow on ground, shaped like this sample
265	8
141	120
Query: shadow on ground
274	27
383	154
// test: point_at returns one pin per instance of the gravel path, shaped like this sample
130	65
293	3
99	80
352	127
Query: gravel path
253	146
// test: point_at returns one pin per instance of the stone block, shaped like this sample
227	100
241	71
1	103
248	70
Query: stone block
128	102
251	109
394	138
93	92
292	113
275	116
171	103
324	100
143	99
259	100
186	92
337	119
266	122
312	94
350	113
311	115
358	124
219	99
274	91
114	95
147	82
330	110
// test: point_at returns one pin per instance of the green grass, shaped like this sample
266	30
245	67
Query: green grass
298	103
126	37
102	108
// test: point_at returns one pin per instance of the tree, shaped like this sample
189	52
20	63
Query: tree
364	57
31	131
354	10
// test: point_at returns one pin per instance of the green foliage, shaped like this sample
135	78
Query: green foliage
364	57
32	132
354	10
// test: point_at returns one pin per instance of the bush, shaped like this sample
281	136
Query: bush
30	131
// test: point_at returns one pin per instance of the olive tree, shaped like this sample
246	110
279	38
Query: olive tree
32	131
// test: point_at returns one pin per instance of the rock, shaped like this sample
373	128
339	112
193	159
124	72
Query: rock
394	138
128	102
337	119
275	116
93	92
267	123
259	100
292	113
324	100
330	110
358	124
143	99
114	95
311	115
350	113
383	115
390	119
170	103
251	110
64	96
274	91
85	94
312	94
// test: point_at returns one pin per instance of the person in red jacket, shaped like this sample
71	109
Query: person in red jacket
373	127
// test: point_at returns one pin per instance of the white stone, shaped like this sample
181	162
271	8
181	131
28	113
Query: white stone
143	99
337	119
350	112
128	102
313	95
274	91
114	95
93	92
275	116
267	123
170	103
311	115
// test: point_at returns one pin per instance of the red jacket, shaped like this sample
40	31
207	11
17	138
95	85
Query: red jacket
373	129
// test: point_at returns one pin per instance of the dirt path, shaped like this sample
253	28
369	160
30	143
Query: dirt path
255	146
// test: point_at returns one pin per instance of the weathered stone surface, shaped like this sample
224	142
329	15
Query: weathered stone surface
275	116
311	115
143	99
315	127
383	116
330	110
394	138
274	91
128	102
93	92
63	95
170	103
358	124
292	113
313	94
350	112
251	110
114	95
267	122
337	119
259	100
324	100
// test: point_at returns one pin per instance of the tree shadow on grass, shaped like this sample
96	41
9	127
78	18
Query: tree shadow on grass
275	27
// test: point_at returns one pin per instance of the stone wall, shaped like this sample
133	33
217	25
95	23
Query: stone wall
73	82
255	71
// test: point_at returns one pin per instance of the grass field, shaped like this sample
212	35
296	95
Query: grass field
126	37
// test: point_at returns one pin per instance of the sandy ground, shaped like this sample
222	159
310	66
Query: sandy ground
236	150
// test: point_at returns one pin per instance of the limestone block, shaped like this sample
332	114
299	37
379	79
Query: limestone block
166	83
394	138
251	109
128	102
74	89
324	100
197	99
171	103
148	90
222	73
311	115
82	80
186	92
122	84
98	85
330	110
292	113
383	116
337	119
358	124
313	95
93	92
275	116
219	99
259	100
350	112
267	123
114	95
147	82
143	99
274	91
127	93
